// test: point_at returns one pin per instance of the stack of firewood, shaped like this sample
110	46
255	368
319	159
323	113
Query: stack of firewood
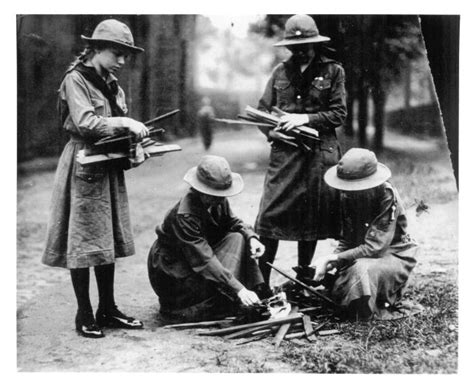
127	147
302	322
302	137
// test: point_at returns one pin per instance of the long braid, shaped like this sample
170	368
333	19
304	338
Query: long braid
85	54
63	109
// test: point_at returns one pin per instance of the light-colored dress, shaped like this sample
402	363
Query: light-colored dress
376	254
89	220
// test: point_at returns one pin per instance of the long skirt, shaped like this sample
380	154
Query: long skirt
195	298
297	205
370	287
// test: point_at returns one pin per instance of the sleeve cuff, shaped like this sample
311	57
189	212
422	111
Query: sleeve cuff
235	285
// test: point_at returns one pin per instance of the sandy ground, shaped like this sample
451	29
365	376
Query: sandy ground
46	306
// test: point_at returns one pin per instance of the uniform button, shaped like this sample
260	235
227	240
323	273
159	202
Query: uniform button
366	225
298	96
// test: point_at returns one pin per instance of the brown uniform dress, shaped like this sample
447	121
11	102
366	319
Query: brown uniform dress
297	204
89	221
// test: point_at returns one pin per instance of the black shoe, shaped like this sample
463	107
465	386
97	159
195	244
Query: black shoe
305	274
87	327
116	319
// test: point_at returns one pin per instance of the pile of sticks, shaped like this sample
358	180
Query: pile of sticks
302	322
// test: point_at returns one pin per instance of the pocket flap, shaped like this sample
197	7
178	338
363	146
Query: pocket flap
328	147
321	83
97	102
89	176
281	84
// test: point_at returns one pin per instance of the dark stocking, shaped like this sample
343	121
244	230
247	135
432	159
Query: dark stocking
271	247
104	275
306	251
80	282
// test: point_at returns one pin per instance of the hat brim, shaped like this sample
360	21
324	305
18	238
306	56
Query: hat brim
236	187
311	39
134	49
382	174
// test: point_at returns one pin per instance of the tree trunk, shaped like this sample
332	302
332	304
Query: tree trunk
362	119
363	80
407	86
380	98
379	94
349	125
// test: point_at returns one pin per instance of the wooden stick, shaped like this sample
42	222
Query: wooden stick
153	150
263	331
318	327
306	287
274	119
328	332
260	325
283	329
192	325
295	335
308	329
254	339
310	309
113	139
163	116
243	122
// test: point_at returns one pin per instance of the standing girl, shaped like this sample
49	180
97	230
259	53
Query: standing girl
89	223
296	204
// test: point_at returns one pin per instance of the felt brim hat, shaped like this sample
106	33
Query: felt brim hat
357	170
301	29
212	176
113	31
304	40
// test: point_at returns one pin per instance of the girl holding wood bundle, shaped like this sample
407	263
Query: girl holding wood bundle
307	90
89	223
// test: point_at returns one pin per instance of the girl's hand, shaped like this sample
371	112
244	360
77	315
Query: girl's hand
292	120
277	135
138	129
257	249
324	264
248	297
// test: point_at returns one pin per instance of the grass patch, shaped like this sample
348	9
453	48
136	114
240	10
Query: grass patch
426	343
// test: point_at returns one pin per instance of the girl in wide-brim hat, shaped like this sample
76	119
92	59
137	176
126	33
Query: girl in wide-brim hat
375	255
89	223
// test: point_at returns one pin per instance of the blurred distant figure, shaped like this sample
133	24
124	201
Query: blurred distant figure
205	116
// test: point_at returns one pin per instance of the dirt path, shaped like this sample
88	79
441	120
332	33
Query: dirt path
46	305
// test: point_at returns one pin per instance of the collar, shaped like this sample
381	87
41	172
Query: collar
321	58
191	204
110	77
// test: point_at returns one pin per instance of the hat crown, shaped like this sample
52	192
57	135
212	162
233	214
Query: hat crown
357	163
300	26
214	171
113	30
